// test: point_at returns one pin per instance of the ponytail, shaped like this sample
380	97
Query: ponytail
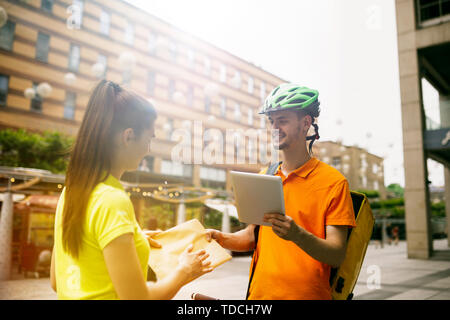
109	110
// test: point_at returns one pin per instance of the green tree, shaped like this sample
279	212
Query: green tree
48	151
396	189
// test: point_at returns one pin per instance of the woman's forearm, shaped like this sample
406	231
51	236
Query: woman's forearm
167	288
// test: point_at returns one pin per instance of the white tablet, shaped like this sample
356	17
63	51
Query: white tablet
255	195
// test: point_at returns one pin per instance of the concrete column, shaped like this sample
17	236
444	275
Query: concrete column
417	213
196	176
6	229
181	213
226	220
447	200
444	110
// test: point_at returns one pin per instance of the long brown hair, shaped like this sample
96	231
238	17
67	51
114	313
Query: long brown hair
110	109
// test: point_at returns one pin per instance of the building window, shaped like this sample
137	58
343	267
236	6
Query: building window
152	43
375	185
250	117
4	85
171	89
336	162
223	107
101	59
237	112
223	73
77	12
168	128
176	168
7	35
47	5
190	96
151	83
126	77
431	12
74	57
69	105
191	57
129	34
36	102
251	84
364	181
105	21
262	122
207	66
263	91
42	47
237	80
375	168
207	104
173	50
213	174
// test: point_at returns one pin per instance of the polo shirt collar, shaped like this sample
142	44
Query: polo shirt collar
113	182
305	169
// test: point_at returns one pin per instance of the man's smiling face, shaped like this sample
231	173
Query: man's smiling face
288	127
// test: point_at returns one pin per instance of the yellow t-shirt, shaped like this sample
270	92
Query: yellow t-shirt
109	214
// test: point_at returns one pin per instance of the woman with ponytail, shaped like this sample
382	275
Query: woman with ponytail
100	251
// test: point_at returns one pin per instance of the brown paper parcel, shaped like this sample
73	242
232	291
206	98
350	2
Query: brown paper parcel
175	240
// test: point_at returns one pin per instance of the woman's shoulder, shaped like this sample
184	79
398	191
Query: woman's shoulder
106	198
108	194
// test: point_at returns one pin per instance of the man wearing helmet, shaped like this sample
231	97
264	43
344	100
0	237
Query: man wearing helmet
293	258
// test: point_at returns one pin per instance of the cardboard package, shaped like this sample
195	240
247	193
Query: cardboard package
175	240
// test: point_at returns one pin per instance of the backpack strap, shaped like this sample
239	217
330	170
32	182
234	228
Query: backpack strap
271	170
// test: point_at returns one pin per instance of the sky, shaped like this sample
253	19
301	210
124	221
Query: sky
345	49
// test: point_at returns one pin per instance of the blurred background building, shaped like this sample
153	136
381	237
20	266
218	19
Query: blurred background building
363	170
423	29
52	53
62	48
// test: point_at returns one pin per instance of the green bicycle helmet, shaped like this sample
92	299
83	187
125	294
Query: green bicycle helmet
290	96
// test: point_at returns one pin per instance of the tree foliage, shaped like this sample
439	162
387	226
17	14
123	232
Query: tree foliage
48	151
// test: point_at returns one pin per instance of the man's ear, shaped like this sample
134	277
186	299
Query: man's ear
307	122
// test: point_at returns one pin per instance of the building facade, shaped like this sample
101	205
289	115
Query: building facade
363	170
71	45
423	30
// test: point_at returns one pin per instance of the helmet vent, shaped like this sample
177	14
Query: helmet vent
280	98
291	95
275	91
293	89
297	101
309	94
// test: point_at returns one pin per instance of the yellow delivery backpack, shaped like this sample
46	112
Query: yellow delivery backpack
343	278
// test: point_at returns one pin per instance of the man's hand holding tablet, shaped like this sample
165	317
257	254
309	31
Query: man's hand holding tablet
256	195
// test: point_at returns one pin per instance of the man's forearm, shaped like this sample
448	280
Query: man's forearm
242	240
320	249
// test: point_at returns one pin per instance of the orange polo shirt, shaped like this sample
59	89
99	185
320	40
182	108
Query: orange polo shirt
315	195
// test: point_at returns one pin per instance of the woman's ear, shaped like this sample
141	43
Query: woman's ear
128	136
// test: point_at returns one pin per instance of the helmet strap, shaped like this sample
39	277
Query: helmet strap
314	137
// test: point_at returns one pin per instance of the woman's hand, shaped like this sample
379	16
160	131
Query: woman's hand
149	234
193	264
